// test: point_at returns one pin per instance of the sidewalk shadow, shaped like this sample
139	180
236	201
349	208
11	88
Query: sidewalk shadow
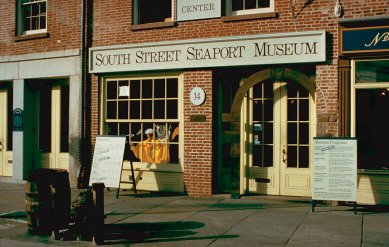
154	232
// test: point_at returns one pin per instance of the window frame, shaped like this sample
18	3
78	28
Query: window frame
230	12
358	86
20	29
135	14
104	121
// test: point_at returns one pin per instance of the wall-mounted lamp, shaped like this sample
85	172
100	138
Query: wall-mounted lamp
338	10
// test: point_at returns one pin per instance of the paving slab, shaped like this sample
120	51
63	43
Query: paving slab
376	229
332	227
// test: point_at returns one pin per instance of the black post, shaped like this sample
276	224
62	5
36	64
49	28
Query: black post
98	212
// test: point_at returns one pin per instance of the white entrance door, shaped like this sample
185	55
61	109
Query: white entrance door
6	131
277	134
52	126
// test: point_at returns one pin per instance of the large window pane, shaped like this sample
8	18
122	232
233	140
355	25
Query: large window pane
257	6
135	89
65	118
45	119
111	90
10	119
111	109
140	109
372	71
372	128
153	11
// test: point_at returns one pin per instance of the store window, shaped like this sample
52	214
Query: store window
245	7
371	104
147	111
151	11
32	17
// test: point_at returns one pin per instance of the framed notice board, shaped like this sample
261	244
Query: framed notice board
334	170
108	160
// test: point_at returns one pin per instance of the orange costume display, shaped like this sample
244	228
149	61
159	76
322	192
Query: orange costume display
152	150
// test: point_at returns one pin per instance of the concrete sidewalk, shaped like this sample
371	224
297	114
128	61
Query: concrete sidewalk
149	219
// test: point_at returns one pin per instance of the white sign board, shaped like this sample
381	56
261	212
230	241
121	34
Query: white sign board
199	9
334	171
298	47
108	160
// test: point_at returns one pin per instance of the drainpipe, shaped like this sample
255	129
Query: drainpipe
86	43
83	81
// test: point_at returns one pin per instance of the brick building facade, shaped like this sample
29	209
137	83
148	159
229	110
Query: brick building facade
231	142
40	76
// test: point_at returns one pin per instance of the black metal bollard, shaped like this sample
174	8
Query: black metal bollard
98	212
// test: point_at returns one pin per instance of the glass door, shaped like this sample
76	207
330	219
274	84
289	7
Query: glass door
6	98
277	139
52	126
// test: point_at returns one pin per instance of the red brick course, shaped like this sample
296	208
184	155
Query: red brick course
63	27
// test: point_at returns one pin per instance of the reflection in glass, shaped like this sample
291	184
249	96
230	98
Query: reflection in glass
111	109
147	109
372	128
292	109
134	109
159	88
123	109
303	157
372	71
111	89
292	133
159	109
292	156
147	86
135	89
268	156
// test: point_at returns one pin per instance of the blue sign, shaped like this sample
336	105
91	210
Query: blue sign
365	40
18	120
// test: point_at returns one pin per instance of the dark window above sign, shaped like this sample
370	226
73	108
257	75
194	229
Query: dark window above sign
151	11
247	7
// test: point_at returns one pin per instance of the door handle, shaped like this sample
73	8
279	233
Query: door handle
1	145
284	155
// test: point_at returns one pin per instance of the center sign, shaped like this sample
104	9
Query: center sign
298	47
200	9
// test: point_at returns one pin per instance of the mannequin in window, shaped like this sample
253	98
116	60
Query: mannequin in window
153	150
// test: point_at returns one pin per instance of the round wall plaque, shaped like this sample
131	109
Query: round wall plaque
197	96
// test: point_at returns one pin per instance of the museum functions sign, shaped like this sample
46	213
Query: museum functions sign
365	40
334	172
299	47
200	9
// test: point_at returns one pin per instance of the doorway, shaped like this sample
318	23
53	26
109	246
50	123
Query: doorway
276	133
268	119
51	124
6	105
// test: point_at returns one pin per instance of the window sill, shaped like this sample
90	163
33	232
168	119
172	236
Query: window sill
32	36
152	25
249	17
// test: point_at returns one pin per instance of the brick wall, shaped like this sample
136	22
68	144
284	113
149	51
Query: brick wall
198	135
111	26
63	26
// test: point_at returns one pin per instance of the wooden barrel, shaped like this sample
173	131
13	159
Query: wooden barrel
61	198
47	200
39	203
